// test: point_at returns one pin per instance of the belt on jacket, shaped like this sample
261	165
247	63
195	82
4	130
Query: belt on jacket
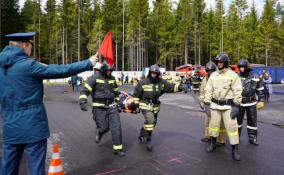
248	99
223	102
106	102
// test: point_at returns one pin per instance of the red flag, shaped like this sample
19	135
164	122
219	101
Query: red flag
106	49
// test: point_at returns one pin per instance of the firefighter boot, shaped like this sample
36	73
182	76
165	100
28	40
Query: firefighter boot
98	137
119	153
212	145
240	131
149	146
142	136
235	153
205	139
253	140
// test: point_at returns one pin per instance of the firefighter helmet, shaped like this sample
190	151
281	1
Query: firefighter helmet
243	63
210	66
98	66
155	68
106	67
222	57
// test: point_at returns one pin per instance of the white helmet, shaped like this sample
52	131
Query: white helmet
98	66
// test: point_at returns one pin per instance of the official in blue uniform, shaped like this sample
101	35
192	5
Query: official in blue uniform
25	124
74	82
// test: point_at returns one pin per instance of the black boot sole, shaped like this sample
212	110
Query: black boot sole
236	159
149	148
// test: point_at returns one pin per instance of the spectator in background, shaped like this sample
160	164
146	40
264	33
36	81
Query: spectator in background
187	82
122	77
74	83
126	79
267	85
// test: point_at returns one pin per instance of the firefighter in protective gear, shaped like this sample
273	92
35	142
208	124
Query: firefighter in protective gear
178	78
251	86
167	76
146	95
105	94
97	68
223	95
221	139
126	103
196	81
134	79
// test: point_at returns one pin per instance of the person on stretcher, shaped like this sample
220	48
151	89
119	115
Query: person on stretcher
126	103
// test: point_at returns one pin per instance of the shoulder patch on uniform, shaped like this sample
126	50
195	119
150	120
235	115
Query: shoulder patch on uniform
43	64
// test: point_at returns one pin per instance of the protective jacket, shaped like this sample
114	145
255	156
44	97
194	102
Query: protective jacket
196	82
224	88
21	94
103	89
251	86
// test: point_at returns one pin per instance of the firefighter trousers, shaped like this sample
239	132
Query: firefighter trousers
231	125
108	119
222	132
149	124
251	120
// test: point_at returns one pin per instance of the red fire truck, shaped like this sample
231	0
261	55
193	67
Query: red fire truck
188	69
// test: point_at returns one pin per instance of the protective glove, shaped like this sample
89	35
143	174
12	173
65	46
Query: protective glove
260	105
201	105
207	109
83	106
235	111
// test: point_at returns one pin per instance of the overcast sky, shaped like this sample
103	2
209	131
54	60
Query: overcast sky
209	3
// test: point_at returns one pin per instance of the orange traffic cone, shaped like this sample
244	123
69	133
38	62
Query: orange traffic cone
55	167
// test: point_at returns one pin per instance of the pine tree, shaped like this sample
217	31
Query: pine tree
10	20
50	32
208	31
95	36
266	32
32	13
136	33
69	32
251	23
112	21
88	18
280	37
198	8
183	23
218	41
163	20
235	33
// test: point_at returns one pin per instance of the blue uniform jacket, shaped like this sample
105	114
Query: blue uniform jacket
74	79
21	94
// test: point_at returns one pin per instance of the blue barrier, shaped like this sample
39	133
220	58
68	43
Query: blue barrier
276	72
279	74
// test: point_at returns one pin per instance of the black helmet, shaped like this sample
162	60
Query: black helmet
210	66
222	57
105	67
155	68
243	63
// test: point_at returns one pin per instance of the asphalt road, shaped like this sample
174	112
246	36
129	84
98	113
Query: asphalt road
178	149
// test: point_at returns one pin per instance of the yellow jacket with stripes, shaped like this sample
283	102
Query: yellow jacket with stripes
103	89
223	85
